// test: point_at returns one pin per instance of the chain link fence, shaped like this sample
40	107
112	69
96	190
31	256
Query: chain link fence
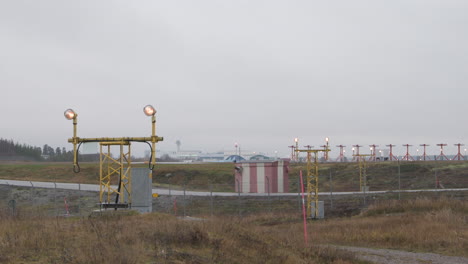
384	182
54	201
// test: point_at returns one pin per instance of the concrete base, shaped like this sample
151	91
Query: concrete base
321	210
142	199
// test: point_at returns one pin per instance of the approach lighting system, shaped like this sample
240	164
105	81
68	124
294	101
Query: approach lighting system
149	110
115	169
69	114
312	179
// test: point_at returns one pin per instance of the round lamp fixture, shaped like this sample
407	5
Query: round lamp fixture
69	114
149	110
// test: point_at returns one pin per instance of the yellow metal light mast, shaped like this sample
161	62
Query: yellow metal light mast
111	167
312	179
297	147
362	171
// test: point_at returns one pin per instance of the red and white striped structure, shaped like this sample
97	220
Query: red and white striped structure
262	177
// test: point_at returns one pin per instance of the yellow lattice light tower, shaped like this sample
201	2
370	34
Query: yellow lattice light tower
362	171
112	169
313	179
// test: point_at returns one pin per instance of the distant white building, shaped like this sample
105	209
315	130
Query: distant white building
197	155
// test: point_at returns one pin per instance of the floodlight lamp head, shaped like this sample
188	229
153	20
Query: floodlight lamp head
69	114
149	110
326	139
295	140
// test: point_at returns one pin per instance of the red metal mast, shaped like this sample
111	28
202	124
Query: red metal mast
357	158
459	155
372	150
407	157
424	152
324	153
391	152
442	155
341	157
292	152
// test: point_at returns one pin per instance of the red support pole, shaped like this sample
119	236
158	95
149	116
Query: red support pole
292	152
357	153
391	152
424	152
304	210
442	155
407	157
459	155
341	156
324	153
373	152
67	212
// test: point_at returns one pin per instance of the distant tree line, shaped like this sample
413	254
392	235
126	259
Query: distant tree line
11	149
57	154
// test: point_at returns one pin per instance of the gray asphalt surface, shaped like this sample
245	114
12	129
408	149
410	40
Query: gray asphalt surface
390	256
160	191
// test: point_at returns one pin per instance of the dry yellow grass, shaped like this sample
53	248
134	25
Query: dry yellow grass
424	225
154	238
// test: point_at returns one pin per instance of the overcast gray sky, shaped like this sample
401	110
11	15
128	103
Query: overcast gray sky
254	72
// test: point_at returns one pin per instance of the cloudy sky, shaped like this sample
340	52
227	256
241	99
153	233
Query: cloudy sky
259	73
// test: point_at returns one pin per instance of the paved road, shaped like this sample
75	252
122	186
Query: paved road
160	191
390	256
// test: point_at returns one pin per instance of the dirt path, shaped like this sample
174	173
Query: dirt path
389	256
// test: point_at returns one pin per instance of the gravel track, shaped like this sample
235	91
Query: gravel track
390	256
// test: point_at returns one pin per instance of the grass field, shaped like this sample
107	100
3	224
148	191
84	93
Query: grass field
438	224
422	225
154	238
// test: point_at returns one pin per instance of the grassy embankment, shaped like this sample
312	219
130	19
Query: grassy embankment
438	226
219	176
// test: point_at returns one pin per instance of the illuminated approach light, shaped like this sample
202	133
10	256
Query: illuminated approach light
149	110
69	114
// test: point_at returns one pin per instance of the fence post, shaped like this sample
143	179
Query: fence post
79	199
299	194
239	201
55	198
331	190
399	181
169	182
211	199
268	190
32	193
184	201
